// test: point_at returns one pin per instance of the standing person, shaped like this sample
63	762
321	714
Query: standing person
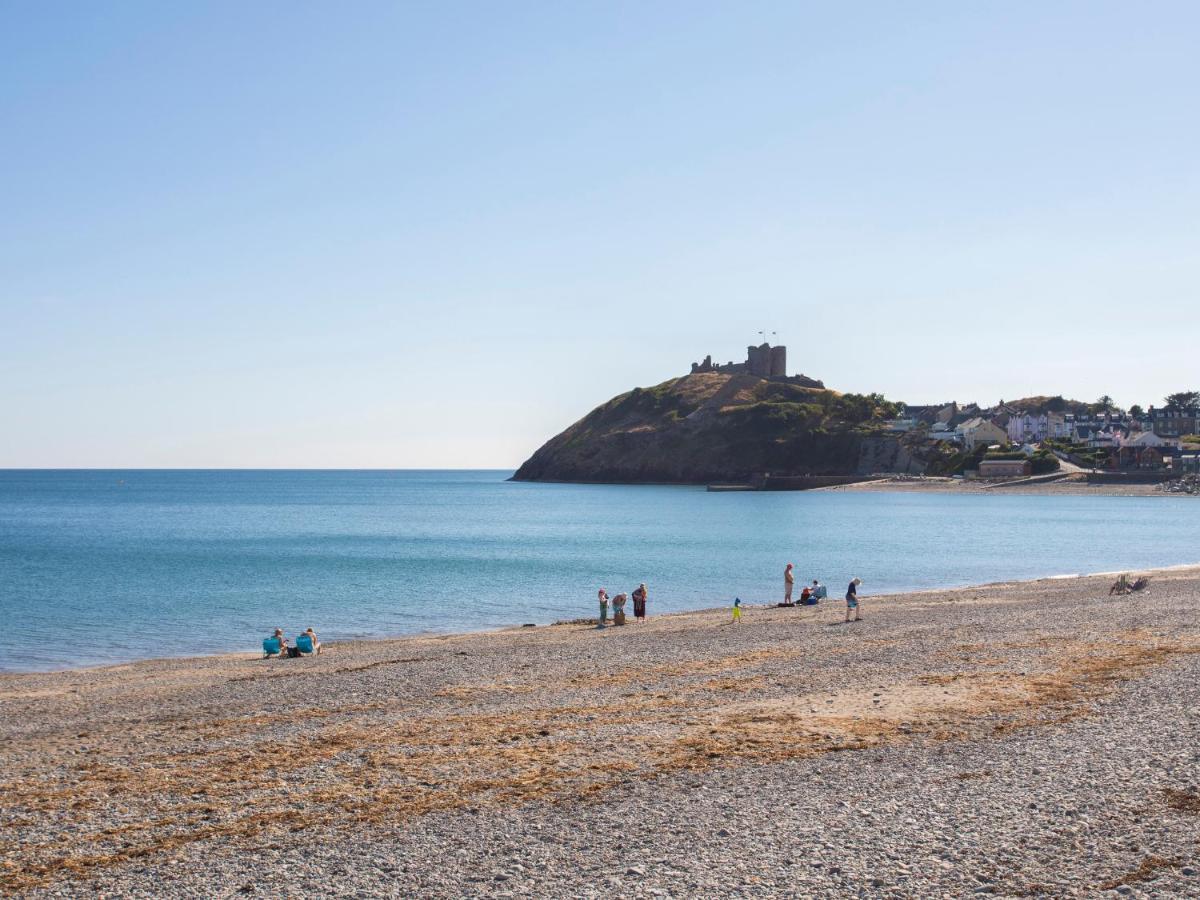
737	610
639	602
852	599
788	580
603	608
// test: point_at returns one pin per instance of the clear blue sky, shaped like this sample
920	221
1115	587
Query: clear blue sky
386	234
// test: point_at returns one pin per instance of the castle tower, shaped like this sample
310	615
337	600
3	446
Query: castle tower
779	360
758	360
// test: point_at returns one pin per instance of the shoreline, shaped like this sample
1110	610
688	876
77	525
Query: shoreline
1069	485
387	640
916	735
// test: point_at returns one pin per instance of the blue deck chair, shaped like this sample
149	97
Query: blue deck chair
304	644
271	646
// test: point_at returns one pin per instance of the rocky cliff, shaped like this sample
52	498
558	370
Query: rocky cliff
711	426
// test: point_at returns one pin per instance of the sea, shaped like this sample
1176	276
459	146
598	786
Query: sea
100	567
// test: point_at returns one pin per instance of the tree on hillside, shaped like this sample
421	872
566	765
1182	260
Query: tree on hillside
1136	411
1056	404
1105	403
1183	400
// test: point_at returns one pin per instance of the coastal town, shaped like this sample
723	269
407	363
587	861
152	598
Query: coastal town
1035	435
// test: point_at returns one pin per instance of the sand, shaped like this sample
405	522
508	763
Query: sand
1075	485
1013	739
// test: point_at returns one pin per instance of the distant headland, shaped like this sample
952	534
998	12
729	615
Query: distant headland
719	422
743	422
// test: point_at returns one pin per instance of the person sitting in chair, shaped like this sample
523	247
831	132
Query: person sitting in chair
308	643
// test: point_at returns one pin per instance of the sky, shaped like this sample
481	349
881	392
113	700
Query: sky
432	235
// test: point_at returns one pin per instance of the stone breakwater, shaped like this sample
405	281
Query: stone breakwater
1021	739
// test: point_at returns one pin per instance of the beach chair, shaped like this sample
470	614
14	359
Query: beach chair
304	644
820	593
271	646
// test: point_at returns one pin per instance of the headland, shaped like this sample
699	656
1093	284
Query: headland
750	424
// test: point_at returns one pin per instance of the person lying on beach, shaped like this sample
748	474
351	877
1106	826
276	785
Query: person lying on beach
852	600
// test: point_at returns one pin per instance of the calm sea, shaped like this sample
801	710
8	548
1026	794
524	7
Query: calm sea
108	566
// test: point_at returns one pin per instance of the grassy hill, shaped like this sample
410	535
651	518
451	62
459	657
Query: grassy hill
709	427
1056	404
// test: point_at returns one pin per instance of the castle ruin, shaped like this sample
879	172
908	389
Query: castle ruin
763	361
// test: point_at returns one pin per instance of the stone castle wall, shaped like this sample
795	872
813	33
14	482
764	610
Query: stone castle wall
764	361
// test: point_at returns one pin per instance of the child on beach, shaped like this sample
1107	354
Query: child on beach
852	599
737	610
603	608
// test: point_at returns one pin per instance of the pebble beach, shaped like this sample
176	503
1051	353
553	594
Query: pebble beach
1018	739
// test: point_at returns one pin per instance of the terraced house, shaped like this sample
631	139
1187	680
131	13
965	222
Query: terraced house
1173	422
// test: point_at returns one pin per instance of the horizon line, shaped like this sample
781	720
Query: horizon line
255	469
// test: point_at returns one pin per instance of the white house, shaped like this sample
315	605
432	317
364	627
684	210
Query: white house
942	432
1056	426
1140	439
980	431
1028	426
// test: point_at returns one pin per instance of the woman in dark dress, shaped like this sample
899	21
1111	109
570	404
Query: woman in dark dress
639	603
